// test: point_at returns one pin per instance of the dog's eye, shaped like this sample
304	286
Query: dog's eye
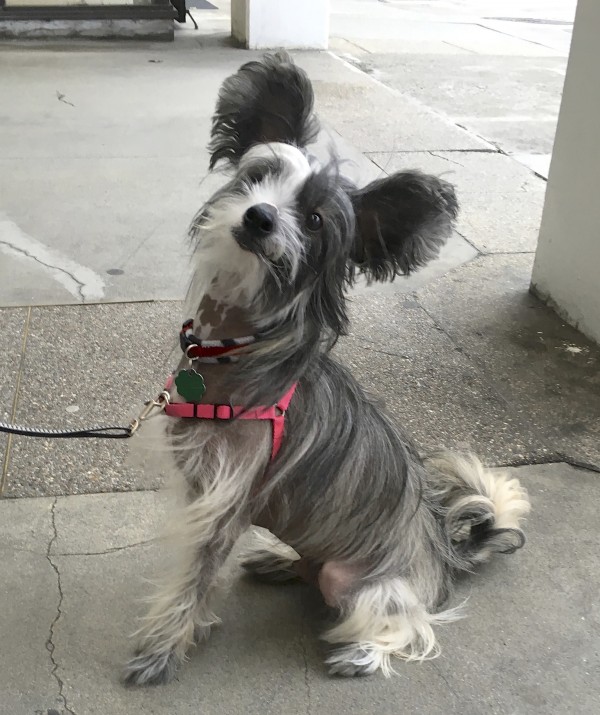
314	222
256	174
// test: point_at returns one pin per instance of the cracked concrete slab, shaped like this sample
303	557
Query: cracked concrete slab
112	178
429	386
134	518
426	28
402	124
511	101
28	606
547	371
114	228
81	282
262	672
116	178
529	642
347	99
89	365
143	114
501	200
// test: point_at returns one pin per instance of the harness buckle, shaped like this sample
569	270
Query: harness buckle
149	407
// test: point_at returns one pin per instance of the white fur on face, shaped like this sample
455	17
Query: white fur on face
281	191
241	273
295	160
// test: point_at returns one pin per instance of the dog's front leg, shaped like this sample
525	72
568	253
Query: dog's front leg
207	529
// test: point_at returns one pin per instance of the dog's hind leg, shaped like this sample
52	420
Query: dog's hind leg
268	559
381	620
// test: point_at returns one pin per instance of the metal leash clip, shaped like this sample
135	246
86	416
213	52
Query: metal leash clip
151	409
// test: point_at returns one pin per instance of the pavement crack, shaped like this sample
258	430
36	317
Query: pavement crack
507	253
442	676
23	252
112	550
445	158
50	645
385	352
468	240
536	459
61	98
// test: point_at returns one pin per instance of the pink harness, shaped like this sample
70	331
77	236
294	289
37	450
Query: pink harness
276	413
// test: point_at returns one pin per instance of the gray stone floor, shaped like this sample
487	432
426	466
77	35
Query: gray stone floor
494	68
73	570
102	165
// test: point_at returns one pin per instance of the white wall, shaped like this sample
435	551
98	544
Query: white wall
291	24
567	264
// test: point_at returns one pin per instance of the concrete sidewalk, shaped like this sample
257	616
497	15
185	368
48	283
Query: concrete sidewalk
72	574
102	165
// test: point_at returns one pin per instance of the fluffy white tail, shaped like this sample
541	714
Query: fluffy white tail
483	509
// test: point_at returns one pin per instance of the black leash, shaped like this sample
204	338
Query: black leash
98	432
151	407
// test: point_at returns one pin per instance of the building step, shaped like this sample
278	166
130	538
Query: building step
150	21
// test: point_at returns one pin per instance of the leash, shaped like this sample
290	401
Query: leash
98	432
151	408
190	385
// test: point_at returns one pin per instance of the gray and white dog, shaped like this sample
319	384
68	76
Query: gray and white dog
355	509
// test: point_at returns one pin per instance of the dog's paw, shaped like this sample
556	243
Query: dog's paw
351	661
150	668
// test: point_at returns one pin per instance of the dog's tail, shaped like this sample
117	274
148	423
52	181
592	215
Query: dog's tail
482	510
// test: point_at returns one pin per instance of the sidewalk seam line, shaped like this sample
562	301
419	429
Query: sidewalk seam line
15	404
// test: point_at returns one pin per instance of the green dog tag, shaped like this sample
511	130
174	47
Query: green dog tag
190	385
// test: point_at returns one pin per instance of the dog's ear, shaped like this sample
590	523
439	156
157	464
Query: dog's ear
270	100
402	222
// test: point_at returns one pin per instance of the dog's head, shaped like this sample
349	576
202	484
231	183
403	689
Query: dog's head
298	232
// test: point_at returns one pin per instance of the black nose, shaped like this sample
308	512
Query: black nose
260	219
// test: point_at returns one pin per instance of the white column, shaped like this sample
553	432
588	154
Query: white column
566	273
289	24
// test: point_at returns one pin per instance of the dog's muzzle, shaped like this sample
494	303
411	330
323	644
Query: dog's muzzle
259	222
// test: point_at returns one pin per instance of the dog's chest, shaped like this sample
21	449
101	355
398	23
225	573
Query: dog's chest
211	452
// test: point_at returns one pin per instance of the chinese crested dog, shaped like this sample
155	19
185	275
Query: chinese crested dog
265	428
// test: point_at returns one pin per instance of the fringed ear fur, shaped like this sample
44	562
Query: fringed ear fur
402	222
270	100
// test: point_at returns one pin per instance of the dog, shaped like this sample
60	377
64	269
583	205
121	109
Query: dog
295	445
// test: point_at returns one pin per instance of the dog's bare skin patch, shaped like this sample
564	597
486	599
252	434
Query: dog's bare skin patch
210	313
216	320
334	579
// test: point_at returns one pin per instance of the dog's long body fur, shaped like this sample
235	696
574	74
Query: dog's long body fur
382	531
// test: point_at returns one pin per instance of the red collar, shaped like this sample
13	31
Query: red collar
203	351
210	350
275	413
